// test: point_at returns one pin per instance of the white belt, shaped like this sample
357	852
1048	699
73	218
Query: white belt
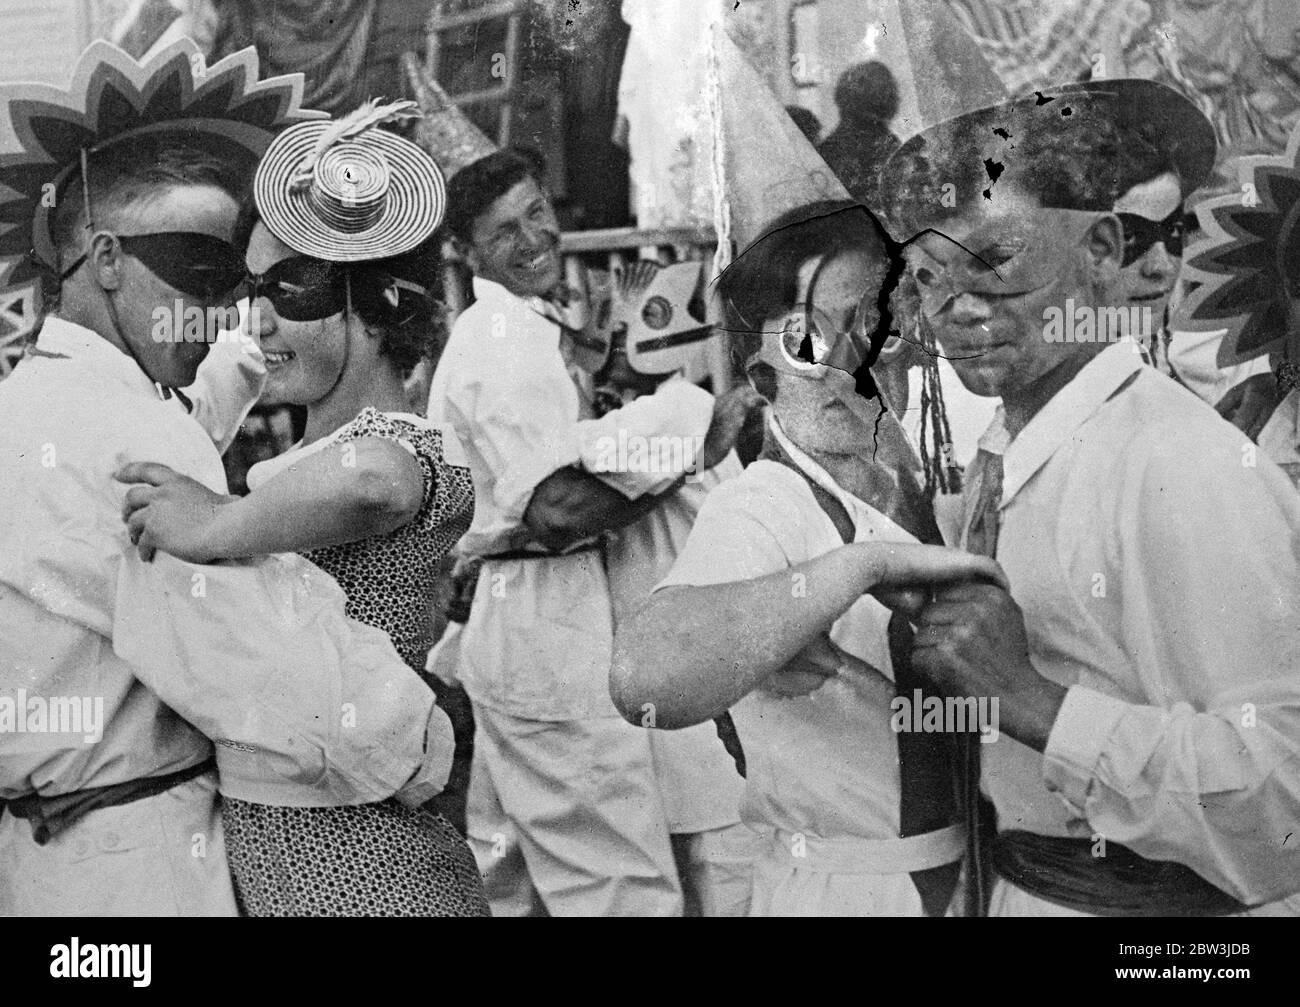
870	856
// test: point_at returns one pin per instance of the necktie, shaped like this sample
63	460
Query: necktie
928	762
984	479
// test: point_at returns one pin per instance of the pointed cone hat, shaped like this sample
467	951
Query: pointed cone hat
223	109
940	69
764	166
443	130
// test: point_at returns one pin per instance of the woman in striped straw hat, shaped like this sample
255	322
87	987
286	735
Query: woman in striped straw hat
340	252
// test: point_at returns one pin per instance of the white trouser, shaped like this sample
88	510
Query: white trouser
159	856
569	811
716	868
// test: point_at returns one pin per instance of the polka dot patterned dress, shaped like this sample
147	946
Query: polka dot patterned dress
382	859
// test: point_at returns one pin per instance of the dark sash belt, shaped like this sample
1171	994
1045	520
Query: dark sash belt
50	816
1064	871
538	554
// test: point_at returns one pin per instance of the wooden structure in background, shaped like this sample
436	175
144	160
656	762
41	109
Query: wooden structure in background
441	21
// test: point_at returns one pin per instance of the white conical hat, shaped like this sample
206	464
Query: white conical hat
763	165
940	69
443	129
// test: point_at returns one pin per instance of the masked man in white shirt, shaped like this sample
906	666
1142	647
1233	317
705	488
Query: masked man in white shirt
1146	659
112	672
574	782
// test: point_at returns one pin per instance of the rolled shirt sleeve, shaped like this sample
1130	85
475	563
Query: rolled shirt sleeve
644	446
305	705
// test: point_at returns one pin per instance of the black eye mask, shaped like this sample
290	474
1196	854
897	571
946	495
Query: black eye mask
1141	234
194	263
301	289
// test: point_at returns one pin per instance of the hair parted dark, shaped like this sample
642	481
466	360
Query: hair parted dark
1068	162
131	174
763	281
477	186
414	328
1142	158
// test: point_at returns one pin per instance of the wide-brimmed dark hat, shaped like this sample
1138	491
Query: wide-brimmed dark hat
1163	117
348	191
1159	114
991	134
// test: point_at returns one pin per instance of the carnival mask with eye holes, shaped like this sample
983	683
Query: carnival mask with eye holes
1007	256
659	309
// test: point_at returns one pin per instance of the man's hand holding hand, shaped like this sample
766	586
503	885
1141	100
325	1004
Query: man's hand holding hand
971	641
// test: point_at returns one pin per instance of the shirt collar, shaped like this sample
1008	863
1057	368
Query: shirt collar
491	290
995	439
1065	412
62	338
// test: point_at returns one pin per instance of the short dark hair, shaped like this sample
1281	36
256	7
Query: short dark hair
1066	161
415	328
763	281
1142	158
478	185
132	173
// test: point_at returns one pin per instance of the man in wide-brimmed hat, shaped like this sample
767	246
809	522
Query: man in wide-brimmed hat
1145	657
114	674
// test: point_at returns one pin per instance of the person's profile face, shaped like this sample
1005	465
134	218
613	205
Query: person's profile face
306	356
147	306
515	241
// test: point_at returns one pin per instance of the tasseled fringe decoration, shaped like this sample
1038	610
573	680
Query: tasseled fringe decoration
942	474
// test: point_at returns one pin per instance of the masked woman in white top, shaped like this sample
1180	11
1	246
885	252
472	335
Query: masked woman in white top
768	610
341	252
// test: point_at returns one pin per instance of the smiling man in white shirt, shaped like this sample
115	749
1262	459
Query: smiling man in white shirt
1146	659
575	784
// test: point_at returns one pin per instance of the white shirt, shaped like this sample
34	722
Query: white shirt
228	383
1153	550
539	639
701	788
257	654
824	764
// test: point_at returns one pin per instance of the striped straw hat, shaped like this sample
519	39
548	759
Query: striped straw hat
347	192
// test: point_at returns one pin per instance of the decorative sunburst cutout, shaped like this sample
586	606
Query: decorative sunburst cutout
1238	263
16	320
112	98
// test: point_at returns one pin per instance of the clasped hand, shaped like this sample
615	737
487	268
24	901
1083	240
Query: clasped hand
169	511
